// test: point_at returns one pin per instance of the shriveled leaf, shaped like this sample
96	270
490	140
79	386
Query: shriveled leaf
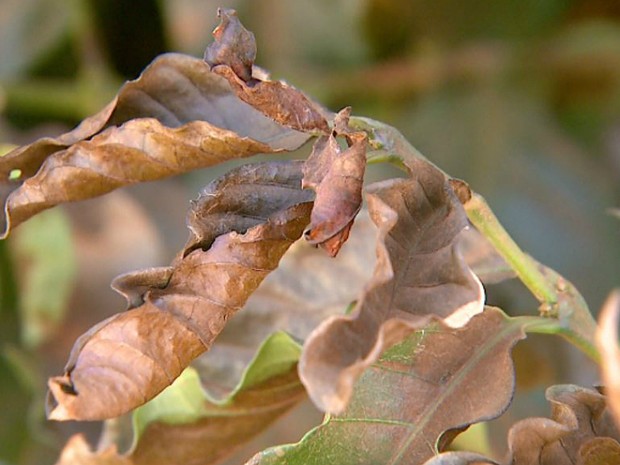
232	56
184	425
291	300
578	416
234	45
176	117
607	342
44	254
408	405
127	359
337	177
600	451
483	259
419	276
205	431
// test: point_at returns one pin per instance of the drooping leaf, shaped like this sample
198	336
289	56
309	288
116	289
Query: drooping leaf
337	176
460	458
419	276
176	117
607	342
183	424
232	56
292	300
411	402
127	359
578	416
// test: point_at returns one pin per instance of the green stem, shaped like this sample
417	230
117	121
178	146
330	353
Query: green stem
539	325
483	218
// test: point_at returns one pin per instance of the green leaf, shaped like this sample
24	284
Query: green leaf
44	255
407	406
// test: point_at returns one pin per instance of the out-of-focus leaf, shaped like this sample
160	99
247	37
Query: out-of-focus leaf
419	276
607	342
43	252
232	56
578	416
337	177
78	452
600	451
27	29
484	261
460	458
176	117
411	402
127	359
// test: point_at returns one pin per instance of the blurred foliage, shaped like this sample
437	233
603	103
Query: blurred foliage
519	97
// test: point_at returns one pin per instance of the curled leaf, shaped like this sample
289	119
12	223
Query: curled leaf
337	176
419	276
409	404
176	117
607	342
578	416
127	359
234	45
232	56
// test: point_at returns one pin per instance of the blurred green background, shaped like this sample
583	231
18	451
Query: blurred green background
521	98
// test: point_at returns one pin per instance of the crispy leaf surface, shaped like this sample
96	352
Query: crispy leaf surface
419	276
460	458
127	359
232	56
177	116
578	416
403	406
337	177
607	342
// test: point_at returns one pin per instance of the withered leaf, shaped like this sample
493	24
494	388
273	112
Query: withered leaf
578	416
232	56
234	45
176	117
337	176
127	359
419	276
460	458
607	342
406	406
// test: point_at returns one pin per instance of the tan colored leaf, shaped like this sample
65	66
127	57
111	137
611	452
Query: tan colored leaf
127	359
176	117
78	452
232	56
419	276
337	176
407	406
460	458
607	342
578	416
600	451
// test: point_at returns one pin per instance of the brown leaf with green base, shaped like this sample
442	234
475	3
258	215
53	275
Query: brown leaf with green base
176	117
402	409
127	359
419	276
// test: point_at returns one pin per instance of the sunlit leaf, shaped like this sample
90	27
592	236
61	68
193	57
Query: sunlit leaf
174	316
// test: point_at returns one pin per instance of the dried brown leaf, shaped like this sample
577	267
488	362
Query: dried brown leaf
600	451
460	458
127	359
234	45
77	451
419	276
177	116
232	56
607	342
578	416
337	176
